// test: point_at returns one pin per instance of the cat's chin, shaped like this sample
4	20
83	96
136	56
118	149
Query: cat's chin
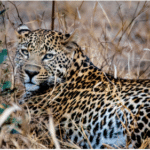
31	87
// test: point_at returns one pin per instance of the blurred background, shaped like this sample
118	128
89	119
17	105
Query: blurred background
114	35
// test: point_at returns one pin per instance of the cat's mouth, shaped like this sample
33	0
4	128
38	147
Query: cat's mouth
31	86
41	88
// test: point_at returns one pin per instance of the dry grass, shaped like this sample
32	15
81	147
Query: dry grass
115	35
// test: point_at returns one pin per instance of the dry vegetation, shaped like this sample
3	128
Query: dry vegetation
115	35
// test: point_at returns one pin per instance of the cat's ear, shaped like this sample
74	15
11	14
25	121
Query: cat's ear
22	31
70	40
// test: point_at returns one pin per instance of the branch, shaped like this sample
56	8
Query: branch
53	14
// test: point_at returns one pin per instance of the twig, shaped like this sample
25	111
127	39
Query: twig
17	11
134	17
76	14
52	131
53	15
13	67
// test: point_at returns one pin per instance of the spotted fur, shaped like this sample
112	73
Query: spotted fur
89	106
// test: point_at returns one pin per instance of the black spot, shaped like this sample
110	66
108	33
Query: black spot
139	140
68	47
36	112
146	105
111	133
79	115
110	109
103	112
146	90
118	124
75	139
85	111
98	108
84	120
137	100
91	138
133	136
145	120
138	106
77	65
131	107
101	125
82	108
98	139
89	127
105	133
67	35
58	99
79	133
76	106
91	67
105	120
85	146
96	128
102	147
136	130
85	65
77	121
148	110
110	123
143	134
70	125
98	78
140	125
73	115
70	132
90	115
34	108
148	133
148	115
94	121
126	103
72	73
96	89
141	113
112	114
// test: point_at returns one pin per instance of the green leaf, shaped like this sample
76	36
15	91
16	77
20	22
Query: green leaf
6	85
10	120
3	55
2	109
13	131
1	12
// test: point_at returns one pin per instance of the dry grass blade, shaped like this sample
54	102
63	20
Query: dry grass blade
108	146
52	131
69	144
106	31
7	112
104	12
17	11
145	144
115	72
86	138
96	85
15	143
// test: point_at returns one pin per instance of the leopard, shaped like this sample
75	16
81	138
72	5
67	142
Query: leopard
91	108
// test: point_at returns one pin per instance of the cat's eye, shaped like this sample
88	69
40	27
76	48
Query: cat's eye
49	56
25	52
